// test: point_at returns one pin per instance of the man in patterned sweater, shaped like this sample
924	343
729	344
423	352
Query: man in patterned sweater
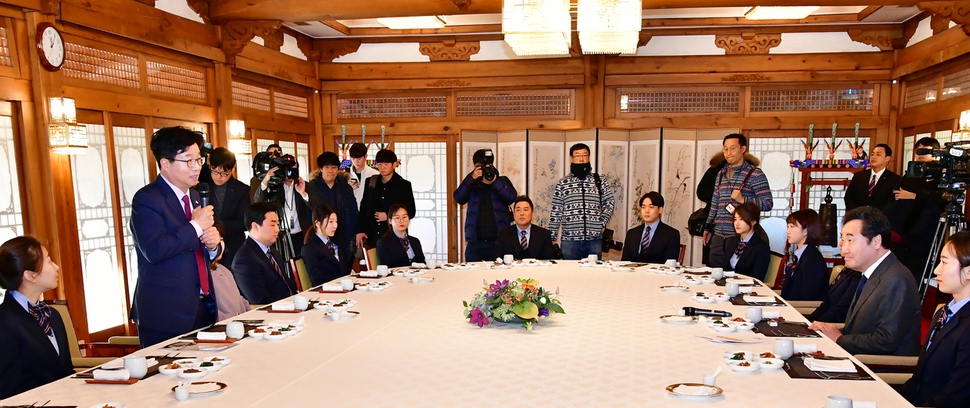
582	204
738	182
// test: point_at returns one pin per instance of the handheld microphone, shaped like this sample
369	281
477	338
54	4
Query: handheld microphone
204	193
691	311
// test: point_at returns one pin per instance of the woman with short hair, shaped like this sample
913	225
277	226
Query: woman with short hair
752	253
396	248
806	276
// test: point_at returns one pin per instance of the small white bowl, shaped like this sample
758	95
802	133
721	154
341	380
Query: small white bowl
225	360
707	281
361	286
715	322
275	337
773	355
193	375
722	329
216	366
169	371
771	363
745	326
188	362
705	299
722	298
109	404
751	368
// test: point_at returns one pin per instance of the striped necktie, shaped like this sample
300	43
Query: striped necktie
405	243
872	184
645	242
42	313
945	315
523	241
740	248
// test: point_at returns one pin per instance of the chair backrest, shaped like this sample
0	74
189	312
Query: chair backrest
61	307
836	270
775	265
370	255
683	249
304	277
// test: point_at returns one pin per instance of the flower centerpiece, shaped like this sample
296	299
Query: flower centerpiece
504	301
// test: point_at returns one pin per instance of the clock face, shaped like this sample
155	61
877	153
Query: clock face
51	47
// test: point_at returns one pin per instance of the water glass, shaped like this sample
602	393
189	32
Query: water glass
754	314
592	258
835	401
137	366
182	392
335	315
235	330
784	348
508	259
671	263
709	379
732	289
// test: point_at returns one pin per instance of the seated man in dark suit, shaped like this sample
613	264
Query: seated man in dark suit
653	241
258	267
524	240
884	315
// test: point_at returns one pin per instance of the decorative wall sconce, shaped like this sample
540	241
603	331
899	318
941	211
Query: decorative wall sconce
65	135
238	143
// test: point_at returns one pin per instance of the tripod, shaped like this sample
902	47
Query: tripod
951	221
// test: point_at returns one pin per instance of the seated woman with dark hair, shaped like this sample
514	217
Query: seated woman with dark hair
942	376
396	248
807	279
324	259
34	341
752	253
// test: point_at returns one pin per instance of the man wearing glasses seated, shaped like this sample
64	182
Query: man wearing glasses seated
653	241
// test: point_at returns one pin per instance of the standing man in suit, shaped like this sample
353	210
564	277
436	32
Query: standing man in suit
175	241
884	315
331	190
380	193
653	241
230	199
258	268
525	240
873	187
488	202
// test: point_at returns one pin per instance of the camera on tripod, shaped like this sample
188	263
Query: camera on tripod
948	170
489	172
289	168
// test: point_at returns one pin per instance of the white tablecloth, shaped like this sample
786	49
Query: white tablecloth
411	346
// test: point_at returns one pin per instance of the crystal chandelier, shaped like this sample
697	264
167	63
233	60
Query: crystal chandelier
537	27
64	134
609	26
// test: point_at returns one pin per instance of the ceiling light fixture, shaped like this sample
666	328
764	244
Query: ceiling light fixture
537	27
413	23
779	12
609	26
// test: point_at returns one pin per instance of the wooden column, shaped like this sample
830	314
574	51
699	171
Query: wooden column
223	103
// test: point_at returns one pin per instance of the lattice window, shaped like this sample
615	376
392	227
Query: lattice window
249	96
102	66
4	49
11	214
673	101
773	100
174	80
396	107
921	92
532	104
131	158
290	105
956	84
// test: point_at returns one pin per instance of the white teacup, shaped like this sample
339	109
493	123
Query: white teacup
709	379
784	348
835	401
508	259
717	273
754	314
235	330
347	284
382	270
300	302
182	392
732	289
592	258
431	263
335	315
671	263
137	366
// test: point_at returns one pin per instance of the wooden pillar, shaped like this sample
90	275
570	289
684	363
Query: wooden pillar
223	103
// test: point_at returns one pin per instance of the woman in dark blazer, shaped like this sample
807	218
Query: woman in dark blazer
390	248
809	279
942	376
753	256
28	355
325	261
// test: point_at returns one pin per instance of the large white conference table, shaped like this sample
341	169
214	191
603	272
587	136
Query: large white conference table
412	346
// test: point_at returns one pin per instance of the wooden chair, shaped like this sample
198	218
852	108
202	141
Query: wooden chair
895	370
77	358
807	307
370	256
680	258
775	267
303	277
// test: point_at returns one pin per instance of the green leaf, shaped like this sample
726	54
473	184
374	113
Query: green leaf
464	303
526	310
553	307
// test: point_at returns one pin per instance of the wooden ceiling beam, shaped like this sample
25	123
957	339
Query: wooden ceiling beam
867	12
302	10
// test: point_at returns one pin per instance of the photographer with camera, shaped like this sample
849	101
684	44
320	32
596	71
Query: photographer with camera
488	196
582	204
280	182
917	208
381	191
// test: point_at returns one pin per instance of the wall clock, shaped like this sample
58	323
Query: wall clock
50	46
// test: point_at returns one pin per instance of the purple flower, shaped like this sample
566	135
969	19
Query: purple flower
497	287
543	311
478	317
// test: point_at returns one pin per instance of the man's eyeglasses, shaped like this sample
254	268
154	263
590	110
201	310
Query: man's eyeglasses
581	156
401	218
192	163
221	173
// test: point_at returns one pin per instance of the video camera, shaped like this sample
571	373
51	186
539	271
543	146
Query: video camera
489	172
948	171
289	168
609	243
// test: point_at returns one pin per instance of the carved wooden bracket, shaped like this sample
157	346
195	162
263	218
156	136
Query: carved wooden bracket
462	4
939	23
885	40
272	39
450	50
956	11
747	43
644	39
236	34
329	50
200	7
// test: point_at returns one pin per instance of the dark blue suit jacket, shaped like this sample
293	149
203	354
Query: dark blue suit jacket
943	373
390	252
256	278
320	263
664	245
810	278
167	293
753	260
28	359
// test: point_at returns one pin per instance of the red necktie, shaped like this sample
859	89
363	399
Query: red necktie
200	262
872	184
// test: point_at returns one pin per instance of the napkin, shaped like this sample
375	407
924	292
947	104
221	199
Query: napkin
368	274
333	287
746	289
112	375
693	390
284	306
418	265
740	281
770	315
759	299
834	366
221	336
114	364
806	348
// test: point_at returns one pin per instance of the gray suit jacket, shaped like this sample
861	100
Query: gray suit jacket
884	318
